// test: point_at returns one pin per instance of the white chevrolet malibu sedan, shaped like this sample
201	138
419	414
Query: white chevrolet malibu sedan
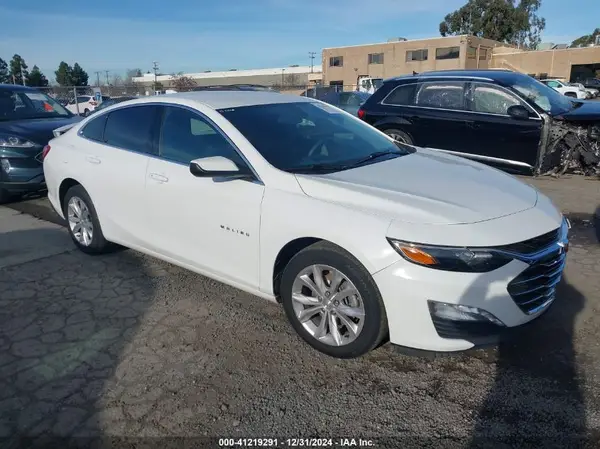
361	238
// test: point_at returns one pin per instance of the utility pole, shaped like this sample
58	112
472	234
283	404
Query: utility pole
97	78
155	68
107	71
22	77
311	55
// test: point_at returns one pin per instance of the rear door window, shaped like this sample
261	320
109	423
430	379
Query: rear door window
133	128
441	95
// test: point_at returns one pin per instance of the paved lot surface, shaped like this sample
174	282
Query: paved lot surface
125	345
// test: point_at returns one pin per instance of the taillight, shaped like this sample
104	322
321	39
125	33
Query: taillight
93	103
361	113
45	151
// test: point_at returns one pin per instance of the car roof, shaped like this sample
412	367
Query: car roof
501	75
226	99
17	87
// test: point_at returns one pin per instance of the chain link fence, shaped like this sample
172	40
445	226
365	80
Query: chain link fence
83	100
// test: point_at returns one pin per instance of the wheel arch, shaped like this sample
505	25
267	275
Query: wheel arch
293	247
64	187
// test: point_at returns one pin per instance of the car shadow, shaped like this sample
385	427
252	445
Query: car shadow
66	321
535	399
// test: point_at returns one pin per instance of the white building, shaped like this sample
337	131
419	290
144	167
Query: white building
292	76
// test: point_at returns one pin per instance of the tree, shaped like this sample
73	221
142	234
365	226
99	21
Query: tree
79	77
182	83
36	78
18	69
64	74
4	75
501	20
117	80
586	40
130	74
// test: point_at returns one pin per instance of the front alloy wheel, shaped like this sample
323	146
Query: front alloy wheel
328	305
332	301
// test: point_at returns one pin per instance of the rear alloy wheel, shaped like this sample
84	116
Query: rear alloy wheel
399	136
82	222
332	302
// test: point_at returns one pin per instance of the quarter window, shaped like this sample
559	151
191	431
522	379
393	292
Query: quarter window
376	58
132	128
186	136
417	55
447	53
401	95
336	61
443	95
492	100
94	130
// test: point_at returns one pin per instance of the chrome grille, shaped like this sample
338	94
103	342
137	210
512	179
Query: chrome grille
535	287
532	245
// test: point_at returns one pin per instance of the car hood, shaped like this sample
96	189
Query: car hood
37	130
588	111
425	187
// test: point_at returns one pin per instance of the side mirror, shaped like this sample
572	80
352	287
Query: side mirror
518	112
217	167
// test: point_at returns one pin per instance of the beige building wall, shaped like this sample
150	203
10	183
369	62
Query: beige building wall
554	63
473	53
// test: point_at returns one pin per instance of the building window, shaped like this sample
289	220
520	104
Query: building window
472	53
336	61
483	53
417	55
375	58
447	53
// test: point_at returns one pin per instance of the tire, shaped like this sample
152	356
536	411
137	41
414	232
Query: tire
97	244
571	94
399	135
4	196
86	112
372	327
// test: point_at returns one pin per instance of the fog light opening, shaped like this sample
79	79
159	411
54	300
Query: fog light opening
461	312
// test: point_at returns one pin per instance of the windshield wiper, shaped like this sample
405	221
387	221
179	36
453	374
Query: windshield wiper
316	168
373	156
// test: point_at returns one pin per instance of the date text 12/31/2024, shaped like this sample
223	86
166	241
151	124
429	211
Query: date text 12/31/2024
295	442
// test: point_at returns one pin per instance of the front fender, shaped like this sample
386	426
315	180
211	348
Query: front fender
287	216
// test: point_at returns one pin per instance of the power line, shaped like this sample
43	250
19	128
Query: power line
311	55
155	68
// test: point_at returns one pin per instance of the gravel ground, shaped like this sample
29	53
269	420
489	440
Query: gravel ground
123	345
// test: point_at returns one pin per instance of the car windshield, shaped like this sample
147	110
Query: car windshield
29	104
311	137
543	96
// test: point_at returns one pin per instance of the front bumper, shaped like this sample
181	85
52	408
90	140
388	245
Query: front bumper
33	185
408	289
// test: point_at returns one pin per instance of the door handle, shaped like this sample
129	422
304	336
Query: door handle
158	177
93	160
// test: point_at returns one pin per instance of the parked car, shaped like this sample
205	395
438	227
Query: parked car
85	103
297	201
591	83
566	89
348	101
250	87
592	93
27	118
114	100
497	117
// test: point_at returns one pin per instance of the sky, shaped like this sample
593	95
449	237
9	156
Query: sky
197	35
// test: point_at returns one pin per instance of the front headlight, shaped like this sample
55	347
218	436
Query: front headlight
8	141
470	260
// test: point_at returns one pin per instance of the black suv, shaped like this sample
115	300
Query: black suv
497	117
